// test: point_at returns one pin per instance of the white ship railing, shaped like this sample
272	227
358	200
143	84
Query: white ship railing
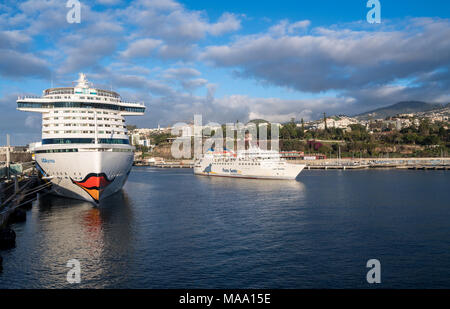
135	103
29	97
111	101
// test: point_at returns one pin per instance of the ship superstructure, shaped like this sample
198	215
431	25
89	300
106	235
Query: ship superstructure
85	150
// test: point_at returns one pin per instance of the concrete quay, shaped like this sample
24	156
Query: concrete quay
395	163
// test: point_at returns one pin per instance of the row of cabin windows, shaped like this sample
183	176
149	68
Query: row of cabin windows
83	112
234	160
83	118
76	150
97	98
57	150
84	125
117	141
81	132
100	92
237	163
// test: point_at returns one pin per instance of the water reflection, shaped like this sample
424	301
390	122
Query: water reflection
171	229
253	184
97	236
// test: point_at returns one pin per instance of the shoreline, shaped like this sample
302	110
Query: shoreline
343	164
378	163
312	168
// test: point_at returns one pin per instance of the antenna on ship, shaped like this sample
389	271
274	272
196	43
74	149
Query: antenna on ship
82	81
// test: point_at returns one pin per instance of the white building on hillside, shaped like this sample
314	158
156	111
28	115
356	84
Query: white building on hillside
338	123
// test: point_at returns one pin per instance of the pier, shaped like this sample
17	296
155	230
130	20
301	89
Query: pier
17	193
341	164
19	183
166	164
377	163
173	165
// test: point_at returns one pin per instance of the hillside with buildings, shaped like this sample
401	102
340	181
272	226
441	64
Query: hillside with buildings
414	134
407	107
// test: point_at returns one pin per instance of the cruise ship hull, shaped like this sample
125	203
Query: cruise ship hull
286	172
90	176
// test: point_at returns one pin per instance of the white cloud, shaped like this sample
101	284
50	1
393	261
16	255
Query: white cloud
177	51
341	59
82	54
181	73
192	84
13	39
298	25
16	64
284	27
360	67
281	110
226	23
32	122
141	48
108	2
173	23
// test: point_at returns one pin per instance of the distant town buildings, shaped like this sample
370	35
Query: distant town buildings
143	136
4	149
338	122
397	122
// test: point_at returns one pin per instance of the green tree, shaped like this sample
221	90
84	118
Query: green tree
131	127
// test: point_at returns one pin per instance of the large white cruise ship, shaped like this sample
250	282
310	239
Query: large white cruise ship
250	163
85	149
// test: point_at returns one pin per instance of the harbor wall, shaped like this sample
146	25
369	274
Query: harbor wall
367	161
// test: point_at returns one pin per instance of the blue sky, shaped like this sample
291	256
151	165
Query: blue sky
228	60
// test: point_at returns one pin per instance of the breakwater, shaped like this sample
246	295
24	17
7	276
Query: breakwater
395	163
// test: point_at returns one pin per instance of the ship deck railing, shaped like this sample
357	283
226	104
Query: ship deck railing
29	97
114	102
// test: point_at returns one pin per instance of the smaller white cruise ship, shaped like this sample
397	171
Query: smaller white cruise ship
253	163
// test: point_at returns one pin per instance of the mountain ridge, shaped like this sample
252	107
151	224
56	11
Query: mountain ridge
403	107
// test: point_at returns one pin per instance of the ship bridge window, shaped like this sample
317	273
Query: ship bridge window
117	141
81	105
57	150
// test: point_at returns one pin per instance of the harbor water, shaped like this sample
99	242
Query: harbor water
171	229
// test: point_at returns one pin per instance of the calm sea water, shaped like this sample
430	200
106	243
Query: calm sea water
171	229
